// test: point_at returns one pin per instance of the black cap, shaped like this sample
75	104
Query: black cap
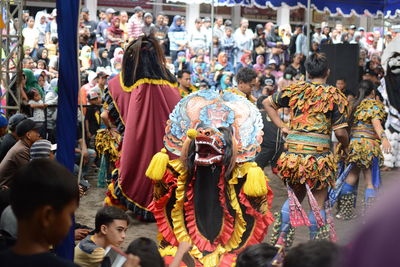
27	125
85	10
15	120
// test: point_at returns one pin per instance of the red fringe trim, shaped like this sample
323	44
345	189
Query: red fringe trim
158	209
227	227
262	221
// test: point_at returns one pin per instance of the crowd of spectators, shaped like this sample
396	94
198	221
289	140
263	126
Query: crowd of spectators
212	57
202	58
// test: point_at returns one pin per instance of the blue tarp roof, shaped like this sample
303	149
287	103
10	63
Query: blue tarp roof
344	7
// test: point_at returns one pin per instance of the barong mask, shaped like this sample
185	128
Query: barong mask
214	128
394	64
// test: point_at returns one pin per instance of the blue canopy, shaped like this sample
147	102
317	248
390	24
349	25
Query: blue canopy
343	7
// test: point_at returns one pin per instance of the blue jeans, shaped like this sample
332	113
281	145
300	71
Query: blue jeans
87	165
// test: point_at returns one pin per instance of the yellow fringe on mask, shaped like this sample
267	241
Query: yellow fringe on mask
255	185
158	165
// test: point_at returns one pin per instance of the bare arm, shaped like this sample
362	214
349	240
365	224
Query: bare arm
387	148
106	119
182	249
274	115
343	137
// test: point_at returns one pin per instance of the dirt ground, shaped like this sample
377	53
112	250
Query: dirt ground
93	200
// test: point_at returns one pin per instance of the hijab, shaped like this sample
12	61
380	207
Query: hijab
103	62
39	55
118	54
174	27
224	85
86	56
31	82
220	59
259	66
243	59
113	29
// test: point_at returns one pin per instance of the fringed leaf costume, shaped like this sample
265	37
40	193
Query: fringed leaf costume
315	111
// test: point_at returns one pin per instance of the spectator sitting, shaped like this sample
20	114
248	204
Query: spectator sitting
226	81
42	149
287	79
36	103
185	87
28	132
198	76
170	66
199	61
313	254
43	54
8	228
260	255
245	62
102	62
85	58
224	62
10	138
111	224
92	118
3	124
43	219
180	62
259	66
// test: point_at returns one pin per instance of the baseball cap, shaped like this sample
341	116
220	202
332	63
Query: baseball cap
3	120
27	125
92	95
272	61
41	149
85	10
110	11
207	19
15	120
102	74
361	29
353	27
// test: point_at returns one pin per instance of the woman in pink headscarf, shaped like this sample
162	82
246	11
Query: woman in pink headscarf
259	66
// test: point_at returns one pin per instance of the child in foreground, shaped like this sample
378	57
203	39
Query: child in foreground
44	196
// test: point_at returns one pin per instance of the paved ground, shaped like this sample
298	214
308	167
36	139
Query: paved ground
345	229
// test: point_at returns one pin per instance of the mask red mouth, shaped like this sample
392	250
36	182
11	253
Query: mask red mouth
208	150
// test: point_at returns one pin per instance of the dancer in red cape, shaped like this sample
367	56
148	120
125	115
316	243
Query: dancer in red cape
138	103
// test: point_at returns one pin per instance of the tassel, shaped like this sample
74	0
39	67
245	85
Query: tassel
255	185
158	165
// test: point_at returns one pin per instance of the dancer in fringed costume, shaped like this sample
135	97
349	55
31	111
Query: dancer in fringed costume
214	196
138	102
307	166
367	134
